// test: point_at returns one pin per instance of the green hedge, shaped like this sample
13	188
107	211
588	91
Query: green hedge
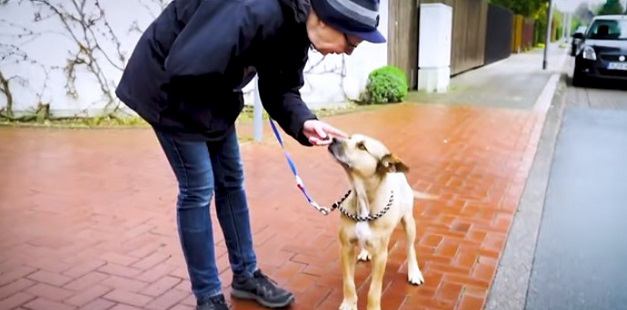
385	84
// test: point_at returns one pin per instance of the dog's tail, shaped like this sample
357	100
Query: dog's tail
424	196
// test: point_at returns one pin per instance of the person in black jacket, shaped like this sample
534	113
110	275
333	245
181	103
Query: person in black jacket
185	78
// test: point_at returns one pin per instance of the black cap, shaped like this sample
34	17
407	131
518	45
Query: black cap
358	18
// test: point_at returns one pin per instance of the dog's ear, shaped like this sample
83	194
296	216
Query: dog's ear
391	163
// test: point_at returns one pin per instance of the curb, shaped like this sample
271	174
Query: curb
511	282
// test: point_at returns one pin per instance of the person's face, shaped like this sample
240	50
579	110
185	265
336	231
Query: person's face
328	40
350	43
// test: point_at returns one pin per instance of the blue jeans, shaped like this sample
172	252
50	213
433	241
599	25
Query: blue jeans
202	168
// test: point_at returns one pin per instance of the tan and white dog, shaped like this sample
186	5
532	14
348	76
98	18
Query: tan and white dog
381	198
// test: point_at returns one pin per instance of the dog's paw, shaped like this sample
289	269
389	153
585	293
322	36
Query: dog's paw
348	305
415	276
364	256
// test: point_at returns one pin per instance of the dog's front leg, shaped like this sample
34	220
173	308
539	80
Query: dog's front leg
379	260
347	254
413	271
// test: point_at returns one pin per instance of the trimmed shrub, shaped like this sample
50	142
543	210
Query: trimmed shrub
385	84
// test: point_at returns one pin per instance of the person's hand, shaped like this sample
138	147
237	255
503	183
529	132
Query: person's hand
320	133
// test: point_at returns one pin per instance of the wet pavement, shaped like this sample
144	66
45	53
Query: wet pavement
513	83
87	216
602	94
581	250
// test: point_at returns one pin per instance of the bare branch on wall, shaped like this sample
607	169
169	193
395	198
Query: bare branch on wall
323	67
10	53
154	7
82	24
5	89
92	51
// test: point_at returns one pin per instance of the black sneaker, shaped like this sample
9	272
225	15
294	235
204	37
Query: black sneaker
261	289
213	303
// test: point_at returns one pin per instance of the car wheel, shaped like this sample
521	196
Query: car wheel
579	79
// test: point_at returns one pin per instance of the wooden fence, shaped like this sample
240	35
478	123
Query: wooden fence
469	33
475	39
522	34
403	38
498	43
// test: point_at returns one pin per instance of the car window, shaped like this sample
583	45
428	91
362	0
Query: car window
603	29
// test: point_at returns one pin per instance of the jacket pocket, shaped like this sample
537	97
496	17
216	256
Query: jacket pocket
225	112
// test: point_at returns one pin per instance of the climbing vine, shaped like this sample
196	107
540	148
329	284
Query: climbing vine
94	49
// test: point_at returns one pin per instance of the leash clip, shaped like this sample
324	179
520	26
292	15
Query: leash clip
324	211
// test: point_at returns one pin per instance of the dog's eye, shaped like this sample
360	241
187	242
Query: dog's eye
361	146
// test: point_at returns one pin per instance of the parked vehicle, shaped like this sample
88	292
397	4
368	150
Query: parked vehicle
576	40
603	51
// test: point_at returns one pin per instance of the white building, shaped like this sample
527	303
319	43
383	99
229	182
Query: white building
74	66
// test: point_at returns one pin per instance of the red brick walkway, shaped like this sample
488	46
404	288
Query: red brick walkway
87	217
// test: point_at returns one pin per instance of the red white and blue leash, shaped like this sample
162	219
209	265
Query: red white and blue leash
299	182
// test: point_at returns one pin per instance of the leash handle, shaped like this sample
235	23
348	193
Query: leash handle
299	181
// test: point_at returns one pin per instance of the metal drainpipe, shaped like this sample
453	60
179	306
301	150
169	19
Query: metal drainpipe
257	113
549	18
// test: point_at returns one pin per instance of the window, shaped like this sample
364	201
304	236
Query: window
604	29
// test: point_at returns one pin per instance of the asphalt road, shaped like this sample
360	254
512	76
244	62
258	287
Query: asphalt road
581	247
599	95
563	251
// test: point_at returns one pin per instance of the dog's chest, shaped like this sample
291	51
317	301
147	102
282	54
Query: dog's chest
368	233
363	233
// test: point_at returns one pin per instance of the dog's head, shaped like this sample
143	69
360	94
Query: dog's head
365	157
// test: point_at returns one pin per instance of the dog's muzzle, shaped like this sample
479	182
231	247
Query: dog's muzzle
335	148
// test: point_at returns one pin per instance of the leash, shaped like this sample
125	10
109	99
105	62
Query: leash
299	182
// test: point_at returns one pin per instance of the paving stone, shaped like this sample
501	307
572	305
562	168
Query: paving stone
108	215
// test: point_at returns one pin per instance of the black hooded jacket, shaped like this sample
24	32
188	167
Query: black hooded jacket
187	70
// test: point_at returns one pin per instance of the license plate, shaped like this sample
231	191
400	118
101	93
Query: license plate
617	66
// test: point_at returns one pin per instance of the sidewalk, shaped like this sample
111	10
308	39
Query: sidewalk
87	216
515	82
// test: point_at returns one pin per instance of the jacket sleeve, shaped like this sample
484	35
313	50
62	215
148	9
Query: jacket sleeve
280	95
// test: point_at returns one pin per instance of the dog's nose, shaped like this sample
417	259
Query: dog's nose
336	141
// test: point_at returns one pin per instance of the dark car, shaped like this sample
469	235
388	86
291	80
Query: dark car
603	52
577	40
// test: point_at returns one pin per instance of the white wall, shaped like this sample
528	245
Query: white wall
321	89
35	51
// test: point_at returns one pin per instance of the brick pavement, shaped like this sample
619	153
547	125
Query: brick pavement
87	217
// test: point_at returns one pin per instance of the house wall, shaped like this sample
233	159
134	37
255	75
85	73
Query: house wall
37	50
